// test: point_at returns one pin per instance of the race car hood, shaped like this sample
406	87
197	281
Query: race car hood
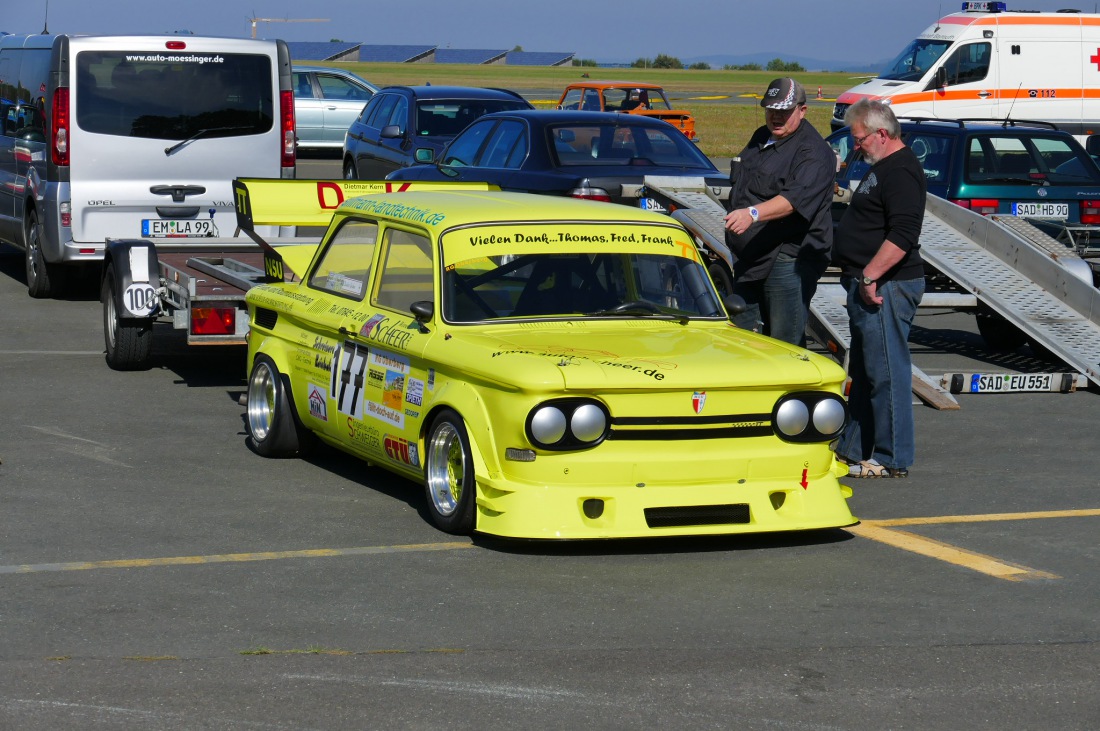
648	354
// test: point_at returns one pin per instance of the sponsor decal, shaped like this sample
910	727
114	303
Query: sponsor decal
698	401
401	450
390	416
318	402
393	389
392	335
360	433
651	368
346	383
414	392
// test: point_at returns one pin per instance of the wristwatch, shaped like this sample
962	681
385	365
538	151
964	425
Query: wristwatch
866	281
754	213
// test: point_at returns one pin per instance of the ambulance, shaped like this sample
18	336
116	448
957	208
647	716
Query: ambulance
987	62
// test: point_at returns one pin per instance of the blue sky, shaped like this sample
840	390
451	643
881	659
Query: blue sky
604	30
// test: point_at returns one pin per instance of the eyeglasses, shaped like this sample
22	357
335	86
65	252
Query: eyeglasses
859	140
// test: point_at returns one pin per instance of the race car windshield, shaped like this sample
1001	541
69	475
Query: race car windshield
913	62
591	285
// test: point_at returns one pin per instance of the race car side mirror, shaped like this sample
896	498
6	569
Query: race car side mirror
735	304
422	310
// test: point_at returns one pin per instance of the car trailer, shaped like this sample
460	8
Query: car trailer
200	284
1024	285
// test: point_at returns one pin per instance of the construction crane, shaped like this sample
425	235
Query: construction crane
254	21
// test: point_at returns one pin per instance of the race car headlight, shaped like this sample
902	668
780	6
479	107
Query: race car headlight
564	424
810	416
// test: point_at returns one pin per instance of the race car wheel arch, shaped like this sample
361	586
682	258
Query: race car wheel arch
274	429
450	480
127	341
463	399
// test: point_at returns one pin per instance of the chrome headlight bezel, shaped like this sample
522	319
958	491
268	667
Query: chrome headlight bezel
809	416
567	424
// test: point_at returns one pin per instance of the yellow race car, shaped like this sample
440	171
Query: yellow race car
545	367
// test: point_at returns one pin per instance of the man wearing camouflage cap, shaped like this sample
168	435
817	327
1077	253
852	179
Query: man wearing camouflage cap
780	227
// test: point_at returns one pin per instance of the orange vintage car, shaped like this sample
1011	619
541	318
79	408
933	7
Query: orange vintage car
631	98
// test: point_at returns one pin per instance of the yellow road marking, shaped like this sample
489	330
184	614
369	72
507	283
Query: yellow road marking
946	552
231	557
883	531
988	517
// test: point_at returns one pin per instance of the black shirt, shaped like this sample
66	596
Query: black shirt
888	204
799	167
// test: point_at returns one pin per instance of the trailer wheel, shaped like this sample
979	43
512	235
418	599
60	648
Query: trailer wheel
723	281
449	474
273	424
43	279
128	341
999	334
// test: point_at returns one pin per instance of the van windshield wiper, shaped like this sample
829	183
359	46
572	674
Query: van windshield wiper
201	133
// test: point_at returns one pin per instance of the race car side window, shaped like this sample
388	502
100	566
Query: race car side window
345	265
406	270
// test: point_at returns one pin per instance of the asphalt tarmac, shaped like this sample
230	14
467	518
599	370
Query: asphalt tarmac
155	573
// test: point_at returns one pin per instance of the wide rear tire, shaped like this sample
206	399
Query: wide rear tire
273	425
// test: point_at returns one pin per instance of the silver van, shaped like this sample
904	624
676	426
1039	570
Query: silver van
133	137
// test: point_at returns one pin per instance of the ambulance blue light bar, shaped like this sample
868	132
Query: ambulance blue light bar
985	7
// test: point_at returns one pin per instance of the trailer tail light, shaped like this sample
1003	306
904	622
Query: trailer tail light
1090	212
286	114
214	321
591	194
59	127
984	206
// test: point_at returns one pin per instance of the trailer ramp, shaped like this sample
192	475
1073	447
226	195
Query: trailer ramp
995	258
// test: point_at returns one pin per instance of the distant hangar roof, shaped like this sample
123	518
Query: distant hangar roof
539	58
350	51
395	54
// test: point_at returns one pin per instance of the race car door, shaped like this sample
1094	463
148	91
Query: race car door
331	399
397	380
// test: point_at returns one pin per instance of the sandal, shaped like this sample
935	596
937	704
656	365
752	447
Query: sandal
872	468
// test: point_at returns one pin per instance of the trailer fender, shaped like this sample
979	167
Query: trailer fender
136	277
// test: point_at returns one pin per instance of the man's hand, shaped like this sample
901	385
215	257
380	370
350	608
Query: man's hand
738	220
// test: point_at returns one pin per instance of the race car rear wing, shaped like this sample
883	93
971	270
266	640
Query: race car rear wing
289	202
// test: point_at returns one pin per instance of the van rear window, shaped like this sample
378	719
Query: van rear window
163	96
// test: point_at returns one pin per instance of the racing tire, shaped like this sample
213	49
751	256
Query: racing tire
273	425
1000	335
723	280
43	279
449	480
127	342
349	171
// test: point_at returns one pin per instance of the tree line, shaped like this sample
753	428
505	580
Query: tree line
663	61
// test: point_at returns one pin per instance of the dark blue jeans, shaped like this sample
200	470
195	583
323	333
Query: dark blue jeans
779	305
881	397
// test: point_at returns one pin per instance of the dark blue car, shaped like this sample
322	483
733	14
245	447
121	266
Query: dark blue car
404	125
596	155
